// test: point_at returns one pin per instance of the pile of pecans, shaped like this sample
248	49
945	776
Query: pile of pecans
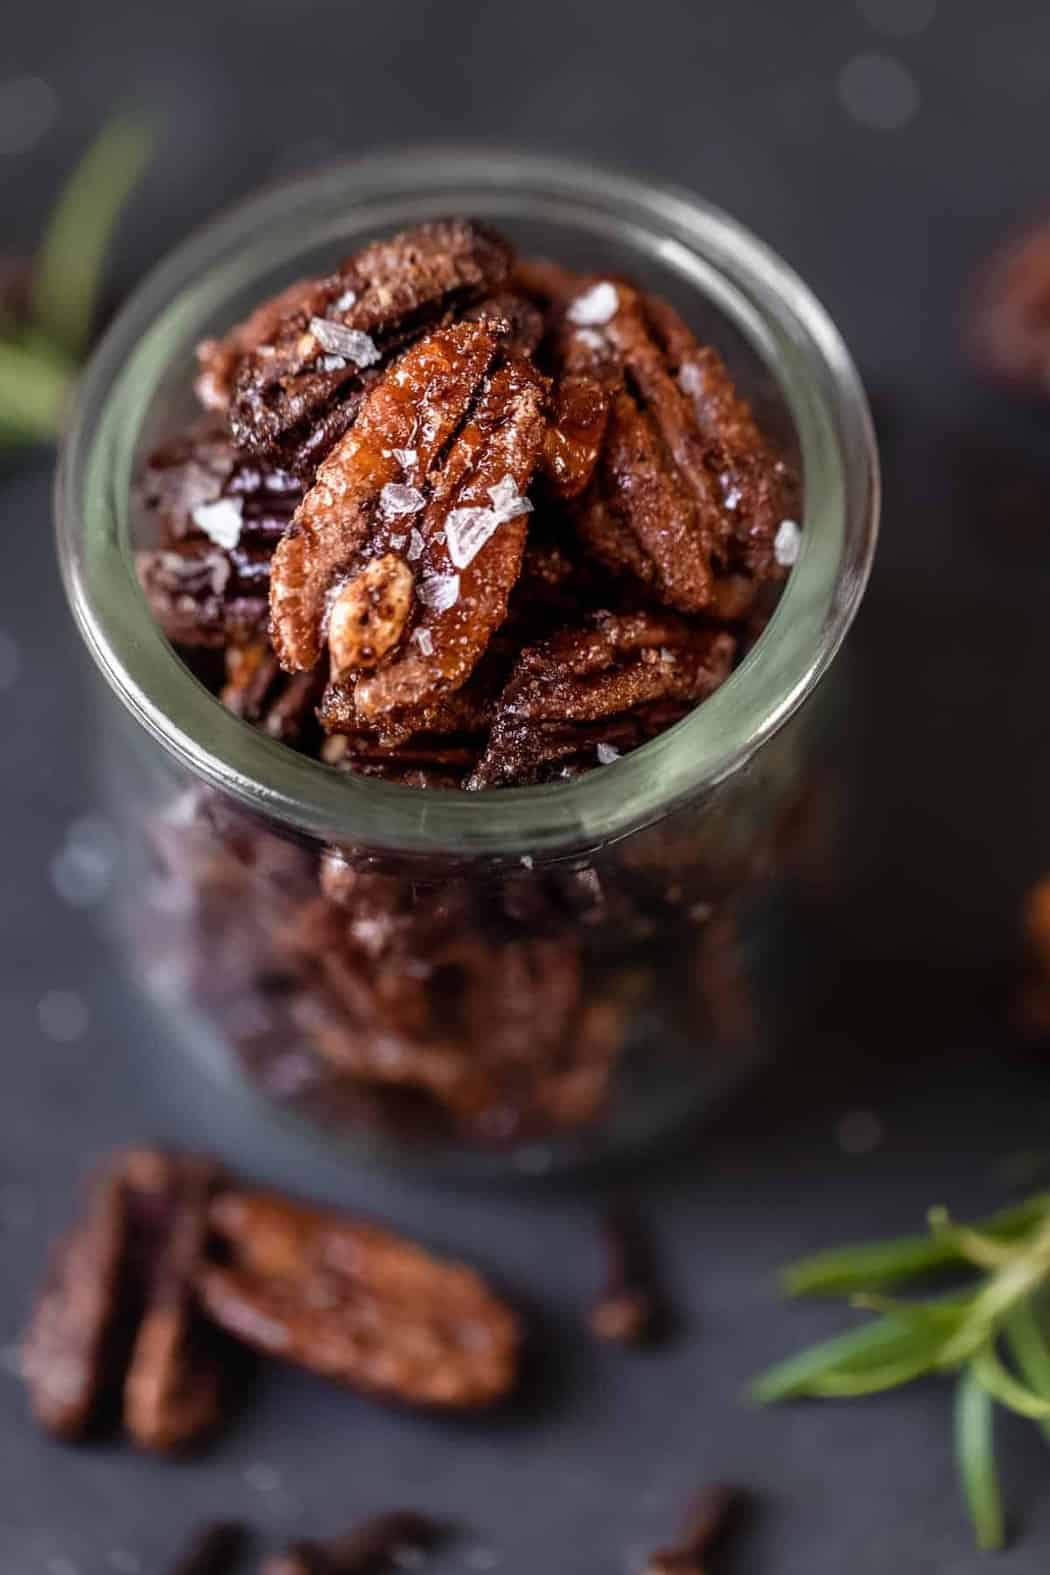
173	1268
455	518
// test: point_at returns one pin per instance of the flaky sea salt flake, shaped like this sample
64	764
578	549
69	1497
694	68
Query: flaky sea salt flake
507	502
439	592
220	521
337	339
344	302
787	543
425	640
415	545
691	379
467	531
595	305
333	363
406	457
607	754
397	499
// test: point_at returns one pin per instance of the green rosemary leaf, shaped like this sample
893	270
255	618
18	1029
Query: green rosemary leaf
1029	1350
69	267
843	1271
876	1346
975	1452
1004	1387
852	1385
33	391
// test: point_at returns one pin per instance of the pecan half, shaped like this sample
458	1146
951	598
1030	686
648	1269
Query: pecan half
489	1031
1008	326
175	1388
75	1337
117	1322
615	680
217	519
473	529
257	691
202	595
184	477
686	489
403	426
453	530
298	387
358	1304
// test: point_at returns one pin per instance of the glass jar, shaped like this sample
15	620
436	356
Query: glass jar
549	972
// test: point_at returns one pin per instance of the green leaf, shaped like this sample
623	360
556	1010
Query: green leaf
34	386
844	1271
975	1452
1029	1350
849	1363
69	266
1004	1387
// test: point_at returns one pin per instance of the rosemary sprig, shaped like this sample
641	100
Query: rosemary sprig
992	1334
42	344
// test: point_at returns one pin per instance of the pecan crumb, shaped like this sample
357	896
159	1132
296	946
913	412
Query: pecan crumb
377	1544
714	1513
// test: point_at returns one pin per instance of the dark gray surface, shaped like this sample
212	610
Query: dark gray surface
739	100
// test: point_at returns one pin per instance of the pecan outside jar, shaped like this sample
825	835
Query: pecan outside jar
517	977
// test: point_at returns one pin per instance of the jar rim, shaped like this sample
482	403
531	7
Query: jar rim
750	285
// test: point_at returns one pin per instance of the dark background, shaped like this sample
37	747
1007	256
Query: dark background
884	182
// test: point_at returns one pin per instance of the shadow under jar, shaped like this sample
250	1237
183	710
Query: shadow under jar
544	973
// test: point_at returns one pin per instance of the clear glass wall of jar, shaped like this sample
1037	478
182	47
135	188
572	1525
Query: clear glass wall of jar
547	972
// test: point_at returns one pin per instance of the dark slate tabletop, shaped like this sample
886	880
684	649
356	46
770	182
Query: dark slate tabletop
883	147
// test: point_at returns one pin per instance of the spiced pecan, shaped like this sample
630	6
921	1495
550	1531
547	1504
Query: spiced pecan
576	432
687	489
425	492
219	360
486	1027
299	383
607	684
258	691
175	1388
183	481
358	1304
75	1337
523	319
117	1324
403	426
1008	323
202	595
